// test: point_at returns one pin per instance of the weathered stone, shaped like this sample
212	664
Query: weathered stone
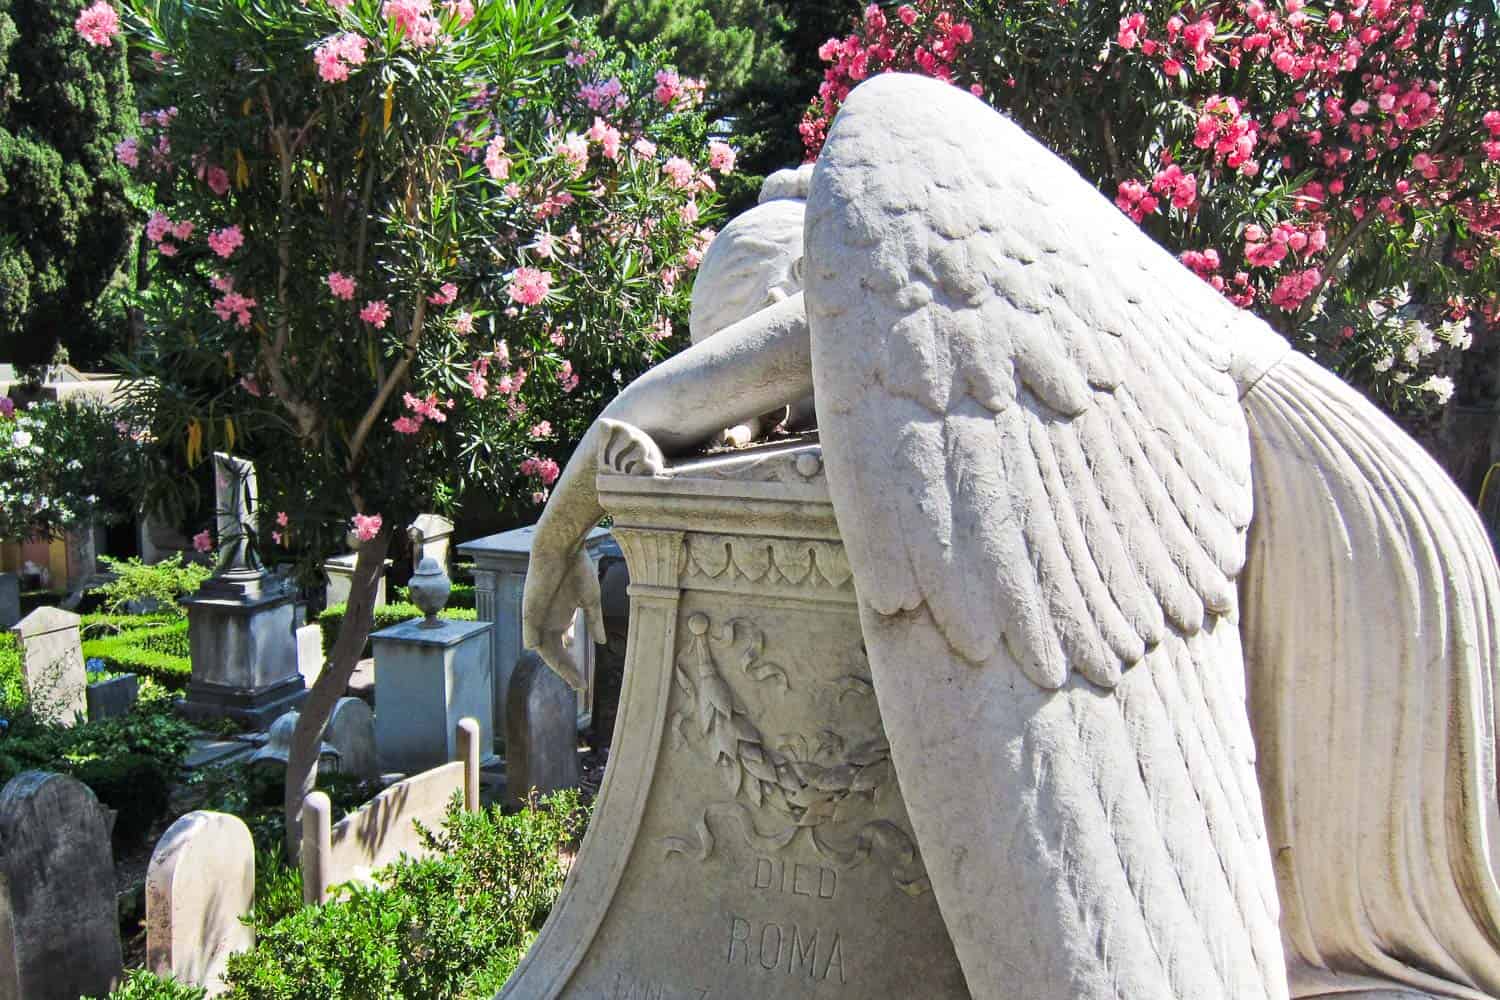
59	936
339	572
541	731
199	884
383	829
244	656
310	657
10	599
751	786
52	664
278	745
114	697
431	536
351	731
425	681
500	563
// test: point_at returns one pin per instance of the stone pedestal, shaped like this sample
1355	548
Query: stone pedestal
339	572
426	680
750	783
244	654
500	563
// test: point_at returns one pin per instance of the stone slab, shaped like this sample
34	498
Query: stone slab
750	781
425	681
52	664
59	932
351	731
113	698
200	882
244	657
310	659
339	572
10	599
541	731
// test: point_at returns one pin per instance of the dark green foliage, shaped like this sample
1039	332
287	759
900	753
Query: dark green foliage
137	785
12	687
385	616
143	985
130	762
253	793
162	583
450	926
64	219
158	651
462	596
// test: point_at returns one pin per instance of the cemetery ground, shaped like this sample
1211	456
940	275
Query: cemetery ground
481	889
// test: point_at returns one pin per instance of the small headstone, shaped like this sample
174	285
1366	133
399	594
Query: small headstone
112	698
200	882
431	535
310	653
351	731
10	599
541	731
339	572
52	664
57	891
278	745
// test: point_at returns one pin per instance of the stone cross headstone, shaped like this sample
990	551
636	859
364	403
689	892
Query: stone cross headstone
351	731
235	498
541	731
199	884
10	599
52	664
57	891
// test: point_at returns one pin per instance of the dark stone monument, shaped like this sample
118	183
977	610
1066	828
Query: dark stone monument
541	730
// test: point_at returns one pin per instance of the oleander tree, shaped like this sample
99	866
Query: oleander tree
402	249
1333	165
65	222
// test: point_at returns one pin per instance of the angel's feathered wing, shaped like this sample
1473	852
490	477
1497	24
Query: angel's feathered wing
1042	477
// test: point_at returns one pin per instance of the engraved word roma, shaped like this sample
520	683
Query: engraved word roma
788	949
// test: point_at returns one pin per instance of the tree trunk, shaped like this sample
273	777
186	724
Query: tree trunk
302	761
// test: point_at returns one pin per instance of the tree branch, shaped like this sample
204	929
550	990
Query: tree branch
1327	271
389	385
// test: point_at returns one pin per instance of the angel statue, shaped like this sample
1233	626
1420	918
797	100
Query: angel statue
1212	640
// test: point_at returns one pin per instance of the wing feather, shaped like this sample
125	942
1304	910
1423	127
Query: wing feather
1017	324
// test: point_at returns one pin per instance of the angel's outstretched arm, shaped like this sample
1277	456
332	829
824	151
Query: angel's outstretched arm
746	369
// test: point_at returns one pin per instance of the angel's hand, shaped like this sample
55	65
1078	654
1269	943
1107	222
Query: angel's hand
558	583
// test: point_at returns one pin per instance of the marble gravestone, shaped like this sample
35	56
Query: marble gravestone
52	664
750	782
541	731
59	932
240	620
200	883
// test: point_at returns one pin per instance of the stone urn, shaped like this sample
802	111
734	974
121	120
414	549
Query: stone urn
430	588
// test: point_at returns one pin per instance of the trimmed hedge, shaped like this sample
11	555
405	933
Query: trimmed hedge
461	597
385	616
12	685
157	651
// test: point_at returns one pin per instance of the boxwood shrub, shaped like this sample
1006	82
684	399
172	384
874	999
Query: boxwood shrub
155	650
385	616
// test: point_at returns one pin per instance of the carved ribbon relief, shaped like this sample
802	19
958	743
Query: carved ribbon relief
825	787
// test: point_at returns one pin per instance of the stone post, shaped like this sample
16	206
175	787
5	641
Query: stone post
500	563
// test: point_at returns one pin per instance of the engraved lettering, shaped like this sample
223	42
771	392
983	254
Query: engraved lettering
794	879
792	950
739	932
775	953
802	954
797	889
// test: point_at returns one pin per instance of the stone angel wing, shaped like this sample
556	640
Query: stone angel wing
1041	473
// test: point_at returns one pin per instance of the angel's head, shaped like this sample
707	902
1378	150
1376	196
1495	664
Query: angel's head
756	261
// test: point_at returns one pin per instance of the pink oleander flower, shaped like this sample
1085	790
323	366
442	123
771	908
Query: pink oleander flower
217	179
167	249
668	87
575	151
477	384
406	425
567	378
226	241
644	148
233	305
542	430
250	385
128	152
413	18
366	527
462	10
158	226
679	173
495	160
607	136
276	537
444	295
720	157
221	283
539	497
183	231
341	285
529	285
98	25
203	541
340	4
375	313
282	519
464	323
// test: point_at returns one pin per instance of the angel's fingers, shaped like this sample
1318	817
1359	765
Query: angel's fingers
560	660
